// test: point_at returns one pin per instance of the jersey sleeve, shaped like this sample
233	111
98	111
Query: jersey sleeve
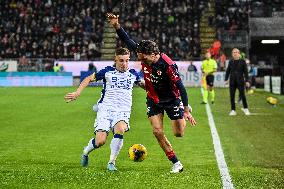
183	93
173	73
101	74
132	45
138	78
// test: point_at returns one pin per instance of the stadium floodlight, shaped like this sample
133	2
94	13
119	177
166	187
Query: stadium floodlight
269	41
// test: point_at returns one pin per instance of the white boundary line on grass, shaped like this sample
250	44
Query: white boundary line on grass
222	165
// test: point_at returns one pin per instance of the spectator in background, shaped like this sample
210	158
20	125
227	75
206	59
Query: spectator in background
61	68
221	61
43	26
48	67
178	31
56	68
215	49
253	75
38	25
23	63
191	67
92	68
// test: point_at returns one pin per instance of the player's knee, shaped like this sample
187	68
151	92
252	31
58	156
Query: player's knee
179	128
100	142
179	134
120	127
119	131
158	132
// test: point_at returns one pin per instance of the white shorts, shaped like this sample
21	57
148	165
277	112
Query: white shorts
106	119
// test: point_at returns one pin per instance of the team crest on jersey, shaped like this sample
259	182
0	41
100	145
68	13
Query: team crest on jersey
159	72
145	70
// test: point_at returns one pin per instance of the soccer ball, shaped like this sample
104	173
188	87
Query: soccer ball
271	100
250	91
137	152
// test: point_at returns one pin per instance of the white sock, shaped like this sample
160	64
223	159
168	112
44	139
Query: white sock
90	147
115	147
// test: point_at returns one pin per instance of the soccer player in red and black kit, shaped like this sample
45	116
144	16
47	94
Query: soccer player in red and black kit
164	89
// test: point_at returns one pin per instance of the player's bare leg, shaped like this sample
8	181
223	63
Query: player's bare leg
158	131
101	138
116	144
93	144
178	127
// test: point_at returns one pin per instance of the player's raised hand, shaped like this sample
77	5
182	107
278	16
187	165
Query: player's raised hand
188	117
227	82
69	97
113	20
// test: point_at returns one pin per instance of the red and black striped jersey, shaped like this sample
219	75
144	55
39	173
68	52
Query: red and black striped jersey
160	80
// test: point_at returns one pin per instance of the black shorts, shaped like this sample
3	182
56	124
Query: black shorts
210	80
174	109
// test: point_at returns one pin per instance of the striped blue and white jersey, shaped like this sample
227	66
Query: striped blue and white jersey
117	88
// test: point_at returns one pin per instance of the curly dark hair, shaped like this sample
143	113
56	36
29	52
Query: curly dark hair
147	47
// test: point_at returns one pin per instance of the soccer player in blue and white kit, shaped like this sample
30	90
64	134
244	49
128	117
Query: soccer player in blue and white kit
114	106
165	91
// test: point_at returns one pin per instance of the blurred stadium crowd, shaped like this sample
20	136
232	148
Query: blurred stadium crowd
51	29
63	29
173	24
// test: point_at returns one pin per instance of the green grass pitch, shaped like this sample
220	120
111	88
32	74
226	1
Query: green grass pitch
42	137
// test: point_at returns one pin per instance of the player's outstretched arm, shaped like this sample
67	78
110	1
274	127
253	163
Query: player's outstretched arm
187	108
113	20
69	97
